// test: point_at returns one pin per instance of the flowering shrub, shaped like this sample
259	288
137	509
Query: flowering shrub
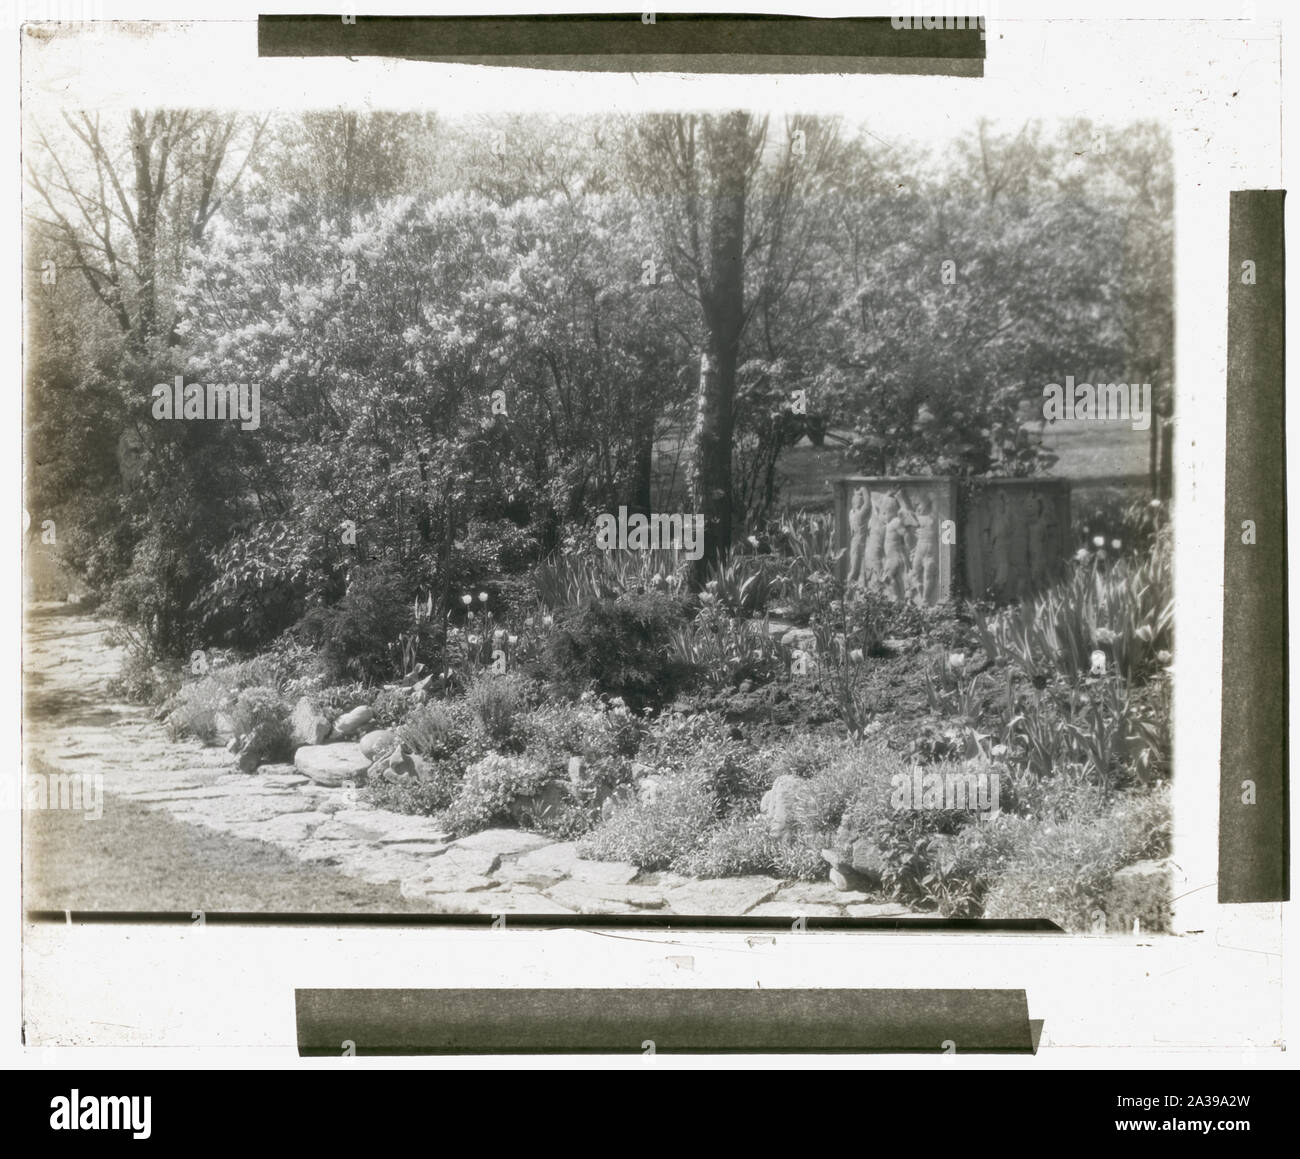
502	790
622	647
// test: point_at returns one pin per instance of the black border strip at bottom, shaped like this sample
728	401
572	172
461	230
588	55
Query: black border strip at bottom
339	1022
638	921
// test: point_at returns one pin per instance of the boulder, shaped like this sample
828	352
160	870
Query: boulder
394	767
308	725
332	764
378	743
846	881
780	804
866	860
842	874
355	721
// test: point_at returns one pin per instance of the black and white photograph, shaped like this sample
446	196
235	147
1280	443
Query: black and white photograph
695	513
546	500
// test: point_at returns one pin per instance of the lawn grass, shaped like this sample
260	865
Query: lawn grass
1097	458
132	859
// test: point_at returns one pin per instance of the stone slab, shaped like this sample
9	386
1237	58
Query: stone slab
504	842
593	898
722	896
332	764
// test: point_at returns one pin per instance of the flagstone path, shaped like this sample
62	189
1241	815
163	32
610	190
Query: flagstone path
73	725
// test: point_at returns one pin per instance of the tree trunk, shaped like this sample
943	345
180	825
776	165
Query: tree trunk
723	302
643	467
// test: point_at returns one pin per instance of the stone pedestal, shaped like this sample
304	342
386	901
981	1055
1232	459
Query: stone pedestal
1015	535
900	534
930	538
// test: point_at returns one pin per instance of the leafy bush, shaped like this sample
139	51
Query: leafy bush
492	790
622	646
357	636
155	594
262	577
426	795
662	835
262	718
1062	870
604	737
742	845
391	706
498	702
192	711
143	678
195	707
432	732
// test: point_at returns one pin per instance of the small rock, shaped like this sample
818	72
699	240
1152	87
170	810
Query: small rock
308	725
354	721
378	743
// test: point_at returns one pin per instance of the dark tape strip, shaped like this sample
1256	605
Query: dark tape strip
638	921
663	1021
1253	789
676	42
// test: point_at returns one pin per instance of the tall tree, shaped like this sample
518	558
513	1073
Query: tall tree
700	170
